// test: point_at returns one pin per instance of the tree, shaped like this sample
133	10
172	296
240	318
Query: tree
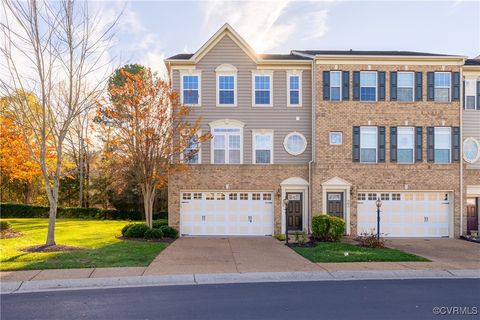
55	50
151	128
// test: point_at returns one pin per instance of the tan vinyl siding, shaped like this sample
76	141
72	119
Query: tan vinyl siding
471	128
280	118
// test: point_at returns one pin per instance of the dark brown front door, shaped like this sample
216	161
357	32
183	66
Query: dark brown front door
335	204
472	214
294	211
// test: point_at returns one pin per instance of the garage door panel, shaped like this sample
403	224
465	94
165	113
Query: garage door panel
407	214
225	213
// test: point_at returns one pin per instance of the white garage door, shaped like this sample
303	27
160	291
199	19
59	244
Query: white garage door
226	213
405	214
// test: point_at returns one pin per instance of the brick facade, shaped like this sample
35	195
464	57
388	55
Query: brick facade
331	161
238	177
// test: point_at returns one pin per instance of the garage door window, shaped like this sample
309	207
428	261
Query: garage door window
368	144
210	196
442	145
396	196
232	196
197	196
243	196
227	145
405	145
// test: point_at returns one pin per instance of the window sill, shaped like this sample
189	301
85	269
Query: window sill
294	105
262	105
226	105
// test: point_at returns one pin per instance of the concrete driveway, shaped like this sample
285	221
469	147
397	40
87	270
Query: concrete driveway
447	253
230	255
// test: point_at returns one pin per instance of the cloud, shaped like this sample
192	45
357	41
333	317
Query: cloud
268	25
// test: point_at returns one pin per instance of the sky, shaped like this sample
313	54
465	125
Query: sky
152	30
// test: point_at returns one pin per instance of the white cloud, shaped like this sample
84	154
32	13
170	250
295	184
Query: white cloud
268	25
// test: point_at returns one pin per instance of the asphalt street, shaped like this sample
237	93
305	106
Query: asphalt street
359	299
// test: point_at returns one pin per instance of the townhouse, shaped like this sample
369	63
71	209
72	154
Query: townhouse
332	132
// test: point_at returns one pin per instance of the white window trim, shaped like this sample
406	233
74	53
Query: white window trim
192	72
254	147
267	73
450	87
413	85
376	86
449	145
226	70
340	86
199	153
330	136
226	123
376	145
297	73
413	147
285	143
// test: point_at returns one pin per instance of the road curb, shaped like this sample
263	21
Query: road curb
14	287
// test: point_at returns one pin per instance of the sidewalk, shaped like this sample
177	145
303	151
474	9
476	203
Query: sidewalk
96	278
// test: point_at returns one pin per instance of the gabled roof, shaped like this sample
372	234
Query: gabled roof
313	53
225	30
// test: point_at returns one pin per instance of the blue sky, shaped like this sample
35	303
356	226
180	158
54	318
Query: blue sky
153	30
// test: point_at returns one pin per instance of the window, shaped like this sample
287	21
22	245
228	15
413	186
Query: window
243	196
471	150
405	86
368	86
226	90
191	154
232	196
197	196
262	147
442	142
372	196
384	196
220	196
210	196
191	90
405	145
368	144
262	90
294	90
442	86
227	144
295	143
267	196
470	94
335	138
361	196
187	196
335	85
256	196
396	197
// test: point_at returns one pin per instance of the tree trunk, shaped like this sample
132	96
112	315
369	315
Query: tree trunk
80	172
148	192
27	193
87	181
51	223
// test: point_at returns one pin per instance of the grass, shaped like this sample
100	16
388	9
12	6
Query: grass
335	252
97	237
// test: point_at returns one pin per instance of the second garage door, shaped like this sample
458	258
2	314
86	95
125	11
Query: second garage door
405	214
226	213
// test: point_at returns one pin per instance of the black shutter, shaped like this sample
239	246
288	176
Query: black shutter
418	144
456	86
393	86
381	85
478	95
356	144
393	144
430	144
418	86
356	85
456	144
381	144
326	85
430	86
345	85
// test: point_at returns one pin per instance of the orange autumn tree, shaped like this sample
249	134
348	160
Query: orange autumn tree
151	128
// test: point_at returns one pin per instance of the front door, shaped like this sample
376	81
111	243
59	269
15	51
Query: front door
335	204
472	214
294	211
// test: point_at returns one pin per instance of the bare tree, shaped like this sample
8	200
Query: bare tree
56	51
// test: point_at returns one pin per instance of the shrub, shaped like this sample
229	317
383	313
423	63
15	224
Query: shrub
136	230
159	223
370	240
5	225
169	232
300	238
153	234
125	228
280	236
327	228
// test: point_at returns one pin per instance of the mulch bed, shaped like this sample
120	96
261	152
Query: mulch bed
9	233
50	248
165	240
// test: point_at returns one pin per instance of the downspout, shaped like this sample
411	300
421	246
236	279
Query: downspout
310	163
462	101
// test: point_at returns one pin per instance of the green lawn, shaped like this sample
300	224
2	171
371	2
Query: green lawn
335	252
97	237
